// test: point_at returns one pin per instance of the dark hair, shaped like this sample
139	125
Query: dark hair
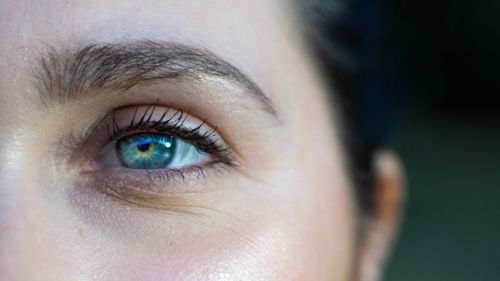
339	40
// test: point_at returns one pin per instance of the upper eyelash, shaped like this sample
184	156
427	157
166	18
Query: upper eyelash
173	125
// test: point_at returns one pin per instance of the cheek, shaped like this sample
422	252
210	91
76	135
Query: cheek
302	232
301	227
305	247
325	222
256	250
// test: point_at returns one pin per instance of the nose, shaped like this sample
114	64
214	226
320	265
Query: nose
32	241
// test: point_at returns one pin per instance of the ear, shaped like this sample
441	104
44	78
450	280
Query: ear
382	226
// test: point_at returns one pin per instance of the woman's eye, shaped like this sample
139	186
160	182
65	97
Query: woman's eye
153	151
141	154
139	151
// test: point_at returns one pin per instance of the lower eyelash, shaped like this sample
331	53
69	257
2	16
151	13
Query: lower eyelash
134	190
144	187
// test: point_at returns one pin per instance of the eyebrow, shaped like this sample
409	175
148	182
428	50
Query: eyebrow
65	75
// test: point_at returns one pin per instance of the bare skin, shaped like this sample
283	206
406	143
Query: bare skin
281	208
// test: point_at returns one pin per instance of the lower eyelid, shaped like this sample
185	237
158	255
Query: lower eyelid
147	183
108	209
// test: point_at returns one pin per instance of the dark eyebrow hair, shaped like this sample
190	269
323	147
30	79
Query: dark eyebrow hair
65	75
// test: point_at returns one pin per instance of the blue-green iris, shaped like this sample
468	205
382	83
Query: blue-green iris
146	151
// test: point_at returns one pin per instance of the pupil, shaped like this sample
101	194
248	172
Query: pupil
143	147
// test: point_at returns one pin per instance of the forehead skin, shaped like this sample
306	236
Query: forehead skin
305	233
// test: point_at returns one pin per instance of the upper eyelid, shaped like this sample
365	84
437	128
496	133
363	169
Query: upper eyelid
173	123
174	131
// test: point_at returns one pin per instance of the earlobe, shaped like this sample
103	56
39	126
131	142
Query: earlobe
382	226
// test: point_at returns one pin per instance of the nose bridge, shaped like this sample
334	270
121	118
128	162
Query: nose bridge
7	232
27	250
11	235
21	235
35	236
25	238
12	210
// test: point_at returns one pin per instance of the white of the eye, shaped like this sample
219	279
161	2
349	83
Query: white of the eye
186	155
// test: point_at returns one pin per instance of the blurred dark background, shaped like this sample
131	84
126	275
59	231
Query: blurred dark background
436	64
